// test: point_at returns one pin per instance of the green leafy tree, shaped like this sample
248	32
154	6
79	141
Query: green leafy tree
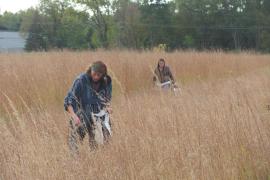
37	39
199	24
101	11
157	21
10	21
130	30
75	31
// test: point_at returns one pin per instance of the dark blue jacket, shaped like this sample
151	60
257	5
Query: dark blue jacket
84	99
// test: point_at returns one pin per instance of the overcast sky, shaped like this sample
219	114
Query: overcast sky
16	5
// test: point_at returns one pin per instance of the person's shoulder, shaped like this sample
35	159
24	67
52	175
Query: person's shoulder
167	67
82	77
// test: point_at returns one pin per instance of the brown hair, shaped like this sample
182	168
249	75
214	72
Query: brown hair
101	68
160	60
98	66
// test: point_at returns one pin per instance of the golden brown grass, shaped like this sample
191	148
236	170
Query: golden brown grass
218	128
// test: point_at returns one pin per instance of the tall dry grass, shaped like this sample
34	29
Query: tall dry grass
217	128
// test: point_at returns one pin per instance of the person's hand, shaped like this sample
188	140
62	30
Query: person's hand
76	120
109	109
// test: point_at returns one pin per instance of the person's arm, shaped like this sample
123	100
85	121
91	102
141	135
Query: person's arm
170	74
109	89
73	115
154	79
109	96
72	100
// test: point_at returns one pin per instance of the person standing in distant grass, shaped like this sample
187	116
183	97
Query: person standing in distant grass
90	92
163	73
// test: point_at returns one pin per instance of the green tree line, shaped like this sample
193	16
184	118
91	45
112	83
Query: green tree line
144	24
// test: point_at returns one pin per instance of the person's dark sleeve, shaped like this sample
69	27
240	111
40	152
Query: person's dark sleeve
109	91
155	76
73	96
170	74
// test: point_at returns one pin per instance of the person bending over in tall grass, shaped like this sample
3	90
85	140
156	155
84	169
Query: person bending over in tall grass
91	91
163	73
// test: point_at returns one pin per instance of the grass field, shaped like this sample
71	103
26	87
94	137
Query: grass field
217	128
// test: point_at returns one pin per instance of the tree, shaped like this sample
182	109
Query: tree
37	40
156	18
75	31
101	10
56	25
10	21
130	32
54	11
199	24
27	18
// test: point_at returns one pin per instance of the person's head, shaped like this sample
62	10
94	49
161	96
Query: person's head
161	63
97	71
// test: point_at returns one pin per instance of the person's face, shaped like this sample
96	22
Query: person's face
161	64
96	76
